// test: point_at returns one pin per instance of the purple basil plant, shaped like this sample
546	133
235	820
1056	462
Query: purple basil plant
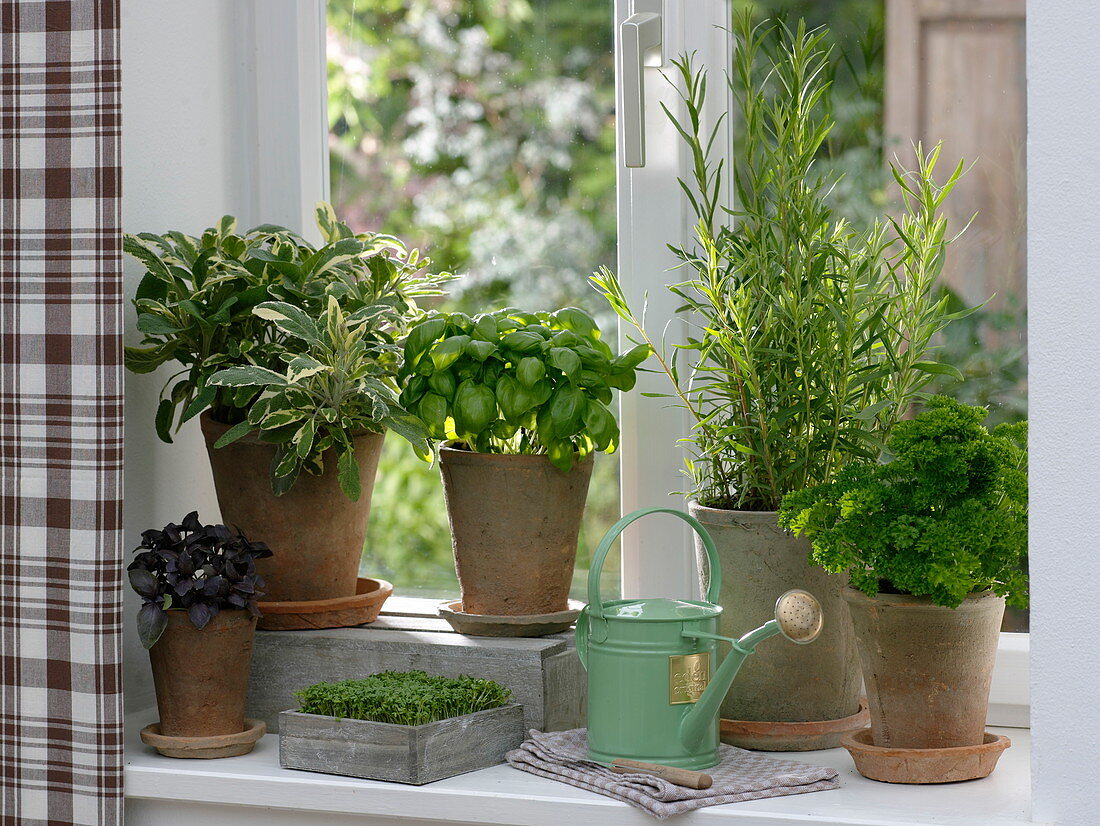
196	568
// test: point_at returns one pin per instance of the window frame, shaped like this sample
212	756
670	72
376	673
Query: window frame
1064	299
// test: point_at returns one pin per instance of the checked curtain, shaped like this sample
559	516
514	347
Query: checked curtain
60	414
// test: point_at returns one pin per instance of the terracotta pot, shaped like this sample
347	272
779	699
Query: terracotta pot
514	526
927	667
782	682
316	533
201	677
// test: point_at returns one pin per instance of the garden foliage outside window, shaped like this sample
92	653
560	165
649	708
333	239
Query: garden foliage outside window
485	133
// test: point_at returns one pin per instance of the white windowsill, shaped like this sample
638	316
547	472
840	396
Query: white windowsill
503	795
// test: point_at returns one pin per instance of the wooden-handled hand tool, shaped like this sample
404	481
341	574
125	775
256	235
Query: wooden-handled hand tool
681	777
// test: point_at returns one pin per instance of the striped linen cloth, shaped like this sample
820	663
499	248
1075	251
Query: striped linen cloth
740	775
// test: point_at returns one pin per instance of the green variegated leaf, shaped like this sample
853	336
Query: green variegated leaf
226	226
314	463
302	367
288	462
327	221
281	417
291	320
303	439
377	388
333	255
137	248
250	376
258	410
285	468
284	266
379	409
186	246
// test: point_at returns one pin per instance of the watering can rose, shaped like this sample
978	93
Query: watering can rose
517	382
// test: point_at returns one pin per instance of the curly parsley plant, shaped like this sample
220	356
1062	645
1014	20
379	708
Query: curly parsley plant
945	517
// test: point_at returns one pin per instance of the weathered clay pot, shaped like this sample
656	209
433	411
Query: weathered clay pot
927	667
201	677
514	526
786	682
316	533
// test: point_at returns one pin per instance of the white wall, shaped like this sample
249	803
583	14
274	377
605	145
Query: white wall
198	92
1064	398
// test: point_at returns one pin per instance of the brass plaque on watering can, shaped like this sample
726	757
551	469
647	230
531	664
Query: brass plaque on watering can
688	675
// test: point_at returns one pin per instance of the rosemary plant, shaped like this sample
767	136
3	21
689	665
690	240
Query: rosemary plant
809	338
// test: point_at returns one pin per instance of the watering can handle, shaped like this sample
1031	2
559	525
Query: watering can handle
595	601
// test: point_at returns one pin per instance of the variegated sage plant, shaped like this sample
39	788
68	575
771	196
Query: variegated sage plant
195	302
809	338
314	330
335	383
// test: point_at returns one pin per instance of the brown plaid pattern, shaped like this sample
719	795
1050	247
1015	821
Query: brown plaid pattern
60	414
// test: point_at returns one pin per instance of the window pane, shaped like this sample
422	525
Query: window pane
483	133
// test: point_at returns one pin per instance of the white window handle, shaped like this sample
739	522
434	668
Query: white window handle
639	46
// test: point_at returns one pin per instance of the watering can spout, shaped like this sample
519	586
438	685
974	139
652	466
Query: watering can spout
797	617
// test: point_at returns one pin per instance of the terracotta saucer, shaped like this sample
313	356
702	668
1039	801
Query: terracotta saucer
924	765
529	625
327	613
218	745
810	736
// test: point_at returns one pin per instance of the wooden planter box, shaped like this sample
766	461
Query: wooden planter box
402	754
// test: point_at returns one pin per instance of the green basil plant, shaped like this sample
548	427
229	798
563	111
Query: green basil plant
335	384
517	382
195	304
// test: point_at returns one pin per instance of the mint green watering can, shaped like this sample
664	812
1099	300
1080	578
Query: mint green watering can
653	693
